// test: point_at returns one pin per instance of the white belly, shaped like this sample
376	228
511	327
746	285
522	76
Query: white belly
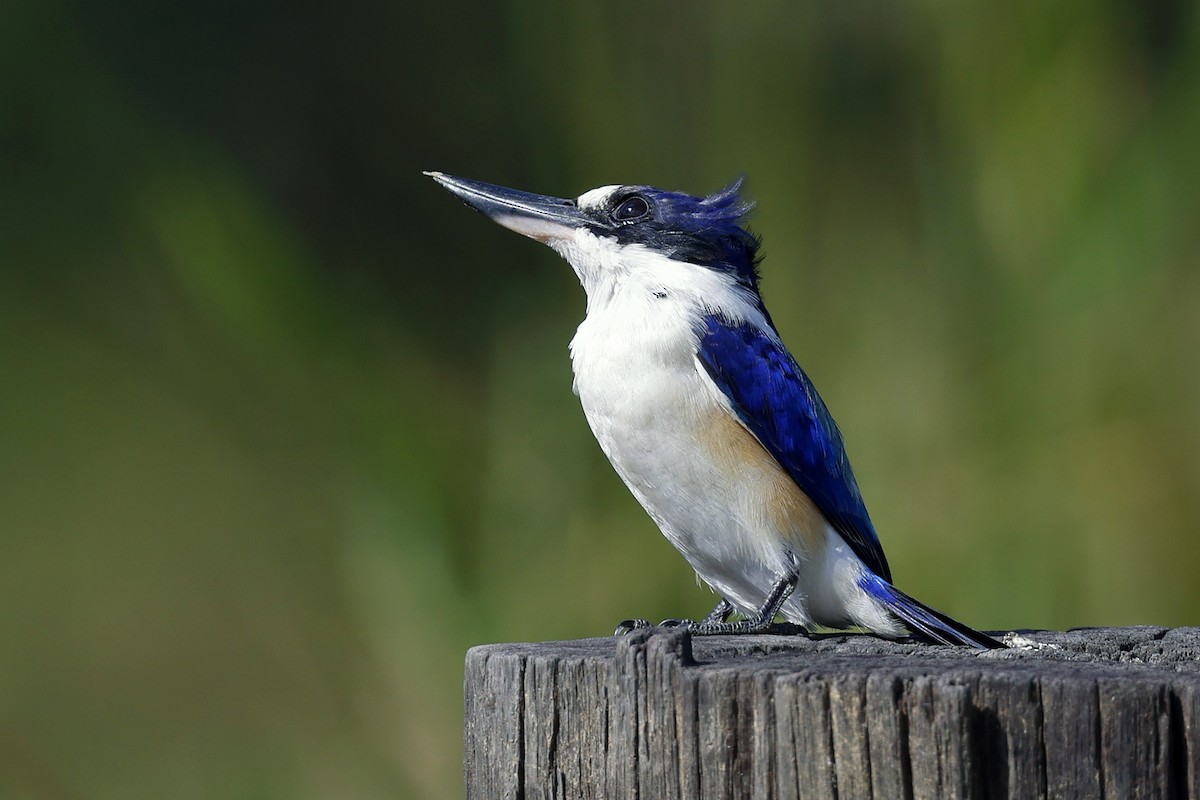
717	495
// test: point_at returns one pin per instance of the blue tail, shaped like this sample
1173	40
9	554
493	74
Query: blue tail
924	623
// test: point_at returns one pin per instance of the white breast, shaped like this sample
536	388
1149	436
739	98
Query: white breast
728	507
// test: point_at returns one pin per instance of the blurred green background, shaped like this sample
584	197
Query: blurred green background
286	429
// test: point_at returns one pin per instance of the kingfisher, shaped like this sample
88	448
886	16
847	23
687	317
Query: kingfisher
707	417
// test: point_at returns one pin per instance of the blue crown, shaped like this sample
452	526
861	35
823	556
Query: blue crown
709	231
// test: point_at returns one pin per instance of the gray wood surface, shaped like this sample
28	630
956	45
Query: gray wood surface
1092	713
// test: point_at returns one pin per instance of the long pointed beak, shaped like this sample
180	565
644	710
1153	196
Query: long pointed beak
534	215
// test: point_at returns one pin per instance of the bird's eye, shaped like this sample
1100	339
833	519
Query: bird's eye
631	209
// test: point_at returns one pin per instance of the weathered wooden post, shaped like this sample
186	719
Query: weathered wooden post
1094	713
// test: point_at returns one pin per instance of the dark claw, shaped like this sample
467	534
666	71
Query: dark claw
676	623
630	625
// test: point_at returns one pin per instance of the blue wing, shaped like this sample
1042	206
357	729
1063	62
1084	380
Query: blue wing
778	403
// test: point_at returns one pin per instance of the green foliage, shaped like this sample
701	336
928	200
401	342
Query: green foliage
286	429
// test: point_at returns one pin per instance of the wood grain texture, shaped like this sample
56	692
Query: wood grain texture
1095	713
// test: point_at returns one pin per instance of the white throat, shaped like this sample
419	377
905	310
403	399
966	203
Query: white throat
640	280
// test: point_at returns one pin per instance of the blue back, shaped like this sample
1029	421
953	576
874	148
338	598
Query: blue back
779	404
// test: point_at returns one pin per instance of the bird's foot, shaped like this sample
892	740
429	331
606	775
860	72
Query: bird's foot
720	613
703	628
707	627
630	625
676	623
744	626
717	624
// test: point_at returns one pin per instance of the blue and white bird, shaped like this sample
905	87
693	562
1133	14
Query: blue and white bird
705	415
